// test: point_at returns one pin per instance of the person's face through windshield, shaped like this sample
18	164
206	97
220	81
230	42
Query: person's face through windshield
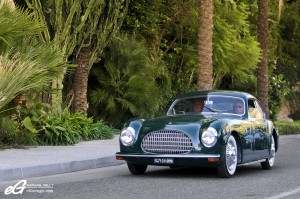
239	108
198	105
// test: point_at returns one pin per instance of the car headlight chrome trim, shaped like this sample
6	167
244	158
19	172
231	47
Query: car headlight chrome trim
127	136
209	137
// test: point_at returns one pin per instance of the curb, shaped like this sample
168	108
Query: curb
58	168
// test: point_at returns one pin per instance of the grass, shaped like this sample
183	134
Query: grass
288	128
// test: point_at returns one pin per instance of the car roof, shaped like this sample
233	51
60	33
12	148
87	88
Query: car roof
243	95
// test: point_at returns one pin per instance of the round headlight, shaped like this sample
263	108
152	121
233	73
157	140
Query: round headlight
127	136
209	137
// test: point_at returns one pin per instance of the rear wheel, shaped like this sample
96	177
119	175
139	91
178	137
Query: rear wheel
268	164
137	169
228	166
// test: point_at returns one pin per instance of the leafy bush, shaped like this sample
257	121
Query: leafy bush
100	131
126	83
278	89
10	133
294	102
62	128
287	128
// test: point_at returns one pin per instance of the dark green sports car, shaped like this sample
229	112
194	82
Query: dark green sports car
219	129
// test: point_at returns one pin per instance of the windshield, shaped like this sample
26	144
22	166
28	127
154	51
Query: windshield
208	104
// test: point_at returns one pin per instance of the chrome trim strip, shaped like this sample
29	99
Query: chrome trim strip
170	155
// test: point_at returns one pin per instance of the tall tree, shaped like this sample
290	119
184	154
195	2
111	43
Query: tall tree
262	70
82	29
205	33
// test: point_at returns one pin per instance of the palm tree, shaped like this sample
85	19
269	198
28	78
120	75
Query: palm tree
124	85
82	29
262	70
27	62
205	33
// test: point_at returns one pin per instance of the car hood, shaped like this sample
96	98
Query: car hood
185	123
177	120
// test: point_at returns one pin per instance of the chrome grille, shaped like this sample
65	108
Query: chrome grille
167	142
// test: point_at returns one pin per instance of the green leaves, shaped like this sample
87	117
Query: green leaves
62	128
17	24
27	62
28	125
235	51
126	82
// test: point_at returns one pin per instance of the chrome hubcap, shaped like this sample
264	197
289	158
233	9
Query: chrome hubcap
231	155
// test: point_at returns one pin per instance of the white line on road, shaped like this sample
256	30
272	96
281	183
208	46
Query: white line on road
285	194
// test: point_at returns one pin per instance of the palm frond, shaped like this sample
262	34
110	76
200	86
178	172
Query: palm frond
17	24
19	74
128	80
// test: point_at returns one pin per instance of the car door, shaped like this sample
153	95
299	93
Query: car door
250	130
260	135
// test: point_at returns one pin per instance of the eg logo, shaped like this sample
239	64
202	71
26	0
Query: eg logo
17	189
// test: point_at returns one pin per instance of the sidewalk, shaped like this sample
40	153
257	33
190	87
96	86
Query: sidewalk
48	160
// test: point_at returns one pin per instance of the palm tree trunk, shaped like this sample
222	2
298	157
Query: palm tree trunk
262	70
205	32
81	81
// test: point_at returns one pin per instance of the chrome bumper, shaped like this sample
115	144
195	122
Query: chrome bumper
169	155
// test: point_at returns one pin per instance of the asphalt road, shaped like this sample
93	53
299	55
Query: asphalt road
250	181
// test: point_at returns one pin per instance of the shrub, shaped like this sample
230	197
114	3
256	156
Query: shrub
278	90
294	102
62	128
100	131
287	128
10	133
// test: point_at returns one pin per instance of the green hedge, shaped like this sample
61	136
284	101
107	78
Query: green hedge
287	128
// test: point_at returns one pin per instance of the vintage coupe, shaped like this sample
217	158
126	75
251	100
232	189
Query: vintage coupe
219	129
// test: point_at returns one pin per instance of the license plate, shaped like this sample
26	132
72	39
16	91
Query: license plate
163	161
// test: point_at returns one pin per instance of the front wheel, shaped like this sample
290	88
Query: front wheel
137	169
228	166
268	164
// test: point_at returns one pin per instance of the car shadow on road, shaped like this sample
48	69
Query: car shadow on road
198	172
185	172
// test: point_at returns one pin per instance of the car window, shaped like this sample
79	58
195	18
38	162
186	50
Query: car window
254	109
260	113
182	106
208	104
252	112
227	104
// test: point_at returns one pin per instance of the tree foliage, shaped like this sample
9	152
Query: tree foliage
81	29
27	62
289	49
77	24
124	83
236	51
165	34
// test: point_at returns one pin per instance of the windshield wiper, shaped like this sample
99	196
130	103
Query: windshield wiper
212	109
